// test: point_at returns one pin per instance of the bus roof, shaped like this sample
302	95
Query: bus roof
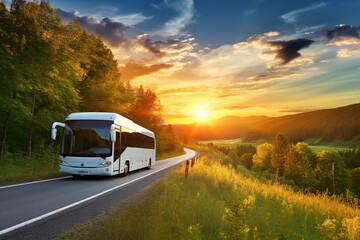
116	118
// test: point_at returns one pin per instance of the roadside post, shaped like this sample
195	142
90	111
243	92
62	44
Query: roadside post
187	168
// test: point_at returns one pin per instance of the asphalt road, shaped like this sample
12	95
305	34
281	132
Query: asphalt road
42	210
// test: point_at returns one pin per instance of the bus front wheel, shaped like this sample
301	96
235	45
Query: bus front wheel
149	164
126	169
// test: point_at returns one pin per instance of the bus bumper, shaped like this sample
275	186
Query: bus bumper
103	171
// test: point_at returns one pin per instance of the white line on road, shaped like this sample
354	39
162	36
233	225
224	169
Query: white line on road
78	202
27	183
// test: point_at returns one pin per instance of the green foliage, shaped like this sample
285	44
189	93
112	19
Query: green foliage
331	173
300	165
16	167
280	153
48	70
263	156
355	181
351	158
246	160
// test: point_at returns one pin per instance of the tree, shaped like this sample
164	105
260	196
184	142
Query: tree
300	165
331	173
247	160
235	159
262	158
146	109
10	79
280	153
39	47
355	181
351	158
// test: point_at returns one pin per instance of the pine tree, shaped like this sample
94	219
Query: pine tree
280	154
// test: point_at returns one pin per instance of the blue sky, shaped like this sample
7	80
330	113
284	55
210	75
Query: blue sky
252	57
217	22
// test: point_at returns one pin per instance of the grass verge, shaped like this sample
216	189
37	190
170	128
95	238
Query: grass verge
218	202
17	168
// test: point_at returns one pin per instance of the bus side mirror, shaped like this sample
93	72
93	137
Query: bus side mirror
113	135
53	129
53	133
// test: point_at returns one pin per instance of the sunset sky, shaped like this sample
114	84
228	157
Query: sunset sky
209	59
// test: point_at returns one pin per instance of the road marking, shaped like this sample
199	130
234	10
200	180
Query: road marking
27	183
23	224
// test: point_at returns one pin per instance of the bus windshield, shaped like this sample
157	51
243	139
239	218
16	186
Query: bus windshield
86	138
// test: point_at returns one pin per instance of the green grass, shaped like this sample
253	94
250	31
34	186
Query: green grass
16	168
317	149
317	145
232	142
350	144
218	202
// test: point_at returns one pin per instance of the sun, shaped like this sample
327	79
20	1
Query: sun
201	114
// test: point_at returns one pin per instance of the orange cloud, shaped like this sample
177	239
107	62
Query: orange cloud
134	69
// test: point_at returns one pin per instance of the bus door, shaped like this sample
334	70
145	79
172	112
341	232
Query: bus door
117	150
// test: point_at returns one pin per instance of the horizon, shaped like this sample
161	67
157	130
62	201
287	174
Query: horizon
298	57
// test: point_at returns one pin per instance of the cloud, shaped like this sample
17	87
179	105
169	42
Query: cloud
162	48
345	36
236	107
134	69
176	26
289	50
348	52
268	76
290	17
132	19
286	51
343	31
112	32
182	90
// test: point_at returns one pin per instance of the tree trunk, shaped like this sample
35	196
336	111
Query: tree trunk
4	134
333	176
29	138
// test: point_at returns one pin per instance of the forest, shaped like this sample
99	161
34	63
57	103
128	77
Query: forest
298	166
49	70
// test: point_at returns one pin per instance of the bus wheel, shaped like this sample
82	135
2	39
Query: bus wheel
76	176
149	165
126	169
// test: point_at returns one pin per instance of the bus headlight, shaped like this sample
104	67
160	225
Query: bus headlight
63	162
104	164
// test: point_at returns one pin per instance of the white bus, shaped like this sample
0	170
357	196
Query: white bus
96	143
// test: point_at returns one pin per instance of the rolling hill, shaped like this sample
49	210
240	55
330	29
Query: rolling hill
329	124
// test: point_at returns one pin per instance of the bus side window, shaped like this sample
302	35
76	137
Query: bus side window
117	146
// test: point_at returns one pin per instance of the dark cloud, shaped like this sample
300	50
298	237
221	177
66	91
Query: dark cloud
343	31
286	51
289	50
112	32
161	48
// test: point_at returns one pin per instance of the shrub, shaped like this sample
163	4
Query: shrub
355	181
246	160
